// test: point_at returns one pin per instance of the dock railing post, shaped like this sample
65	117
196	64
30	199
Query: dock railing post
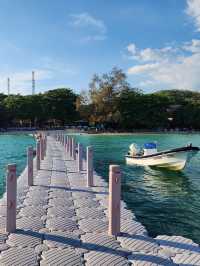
72	152
38	155
80	157
73	149
42	149
70	146
63	139
45	145
67	144
30	165
114	200
43	138
89	166
11	183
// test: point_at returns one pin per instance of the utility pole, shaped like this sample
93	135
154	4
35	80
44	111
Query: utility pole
8	86
33	82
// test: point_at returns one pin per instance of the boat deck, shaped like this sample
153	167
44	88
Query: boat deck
62	222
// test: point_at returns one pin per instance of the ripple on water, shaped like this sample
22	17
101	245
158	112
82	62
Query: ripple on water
166	202
13	150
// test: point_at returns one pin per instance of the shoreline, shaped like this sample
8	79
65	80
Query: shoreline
133	133
74	131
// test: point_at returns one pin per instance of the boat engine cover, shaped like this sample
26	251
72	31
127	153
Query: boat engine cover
133	149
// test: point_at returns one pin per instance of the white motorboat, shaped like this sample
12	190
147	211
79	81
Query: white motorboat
174	159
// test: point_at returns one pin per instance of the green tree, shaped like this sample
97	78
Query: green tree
105	92
57	105
60	104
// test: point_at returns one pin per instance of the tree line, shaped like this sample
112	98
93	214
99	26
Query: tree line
113	103
50	109
109	103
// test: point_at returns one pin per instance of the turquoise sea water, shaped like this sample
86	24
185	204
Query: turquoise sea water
166	202
13	150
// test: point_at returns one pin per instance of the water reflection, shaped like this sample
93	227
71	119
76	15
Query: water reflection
167	182
166	202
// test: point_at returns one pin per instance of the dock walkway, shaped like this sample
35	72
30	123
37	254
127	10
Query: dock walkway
60	222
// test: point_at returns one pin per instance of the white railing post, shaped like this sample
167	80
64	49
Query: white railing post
30	165
38	155
70	146
114	200
45	145
72	140
89	166
43	138
11	198
80	157
41	148
73	149
65	142
63	139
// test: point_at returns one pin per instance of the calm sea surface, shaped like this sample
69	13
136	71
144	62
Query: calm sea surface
166	202
13	150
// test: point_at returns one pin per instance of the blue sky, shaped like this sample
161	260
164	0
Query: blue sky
157	43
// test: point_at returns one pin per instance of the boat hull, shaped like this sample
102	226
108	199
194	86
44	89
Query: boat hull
173	161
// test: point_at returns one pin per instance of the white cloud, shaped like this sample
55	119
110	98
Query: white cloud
94	37
86	20
193	46
193	10
167	67
132	48
142	68
149	54
94	29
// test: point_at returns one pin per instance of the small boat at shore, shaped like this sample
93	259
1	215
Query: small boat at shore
173	159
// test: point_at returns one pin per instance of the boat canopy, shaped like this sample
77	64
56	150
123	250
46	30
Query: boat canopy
150	145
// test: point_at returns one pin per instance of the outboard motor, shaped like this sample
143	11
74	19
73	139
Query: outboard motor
133	149
150	148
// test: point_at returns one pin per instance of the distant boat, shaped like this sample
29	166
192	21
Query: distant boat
174	159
